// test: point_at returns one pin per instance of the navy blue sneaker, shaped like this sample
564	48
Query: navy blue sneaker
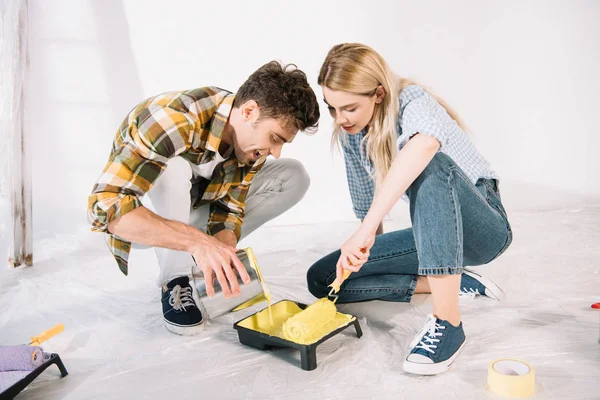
435	347
472	284
180	312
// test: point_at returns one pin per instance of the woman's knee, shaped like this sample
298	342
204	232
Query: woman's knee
318	274
315	283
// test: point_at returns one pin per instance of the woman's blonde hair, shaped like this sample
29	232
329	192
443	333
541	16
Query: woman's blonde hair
358	69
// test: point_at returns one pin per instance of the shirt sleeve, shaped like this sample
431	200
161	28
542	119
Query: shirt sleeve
227	213
156	135
426	116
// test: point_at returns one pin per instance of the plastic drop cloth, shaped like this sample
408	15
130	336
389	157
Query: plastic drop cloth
115	346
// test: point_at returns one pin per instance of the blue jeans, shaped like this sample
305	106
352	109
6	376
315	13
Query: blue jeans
454	224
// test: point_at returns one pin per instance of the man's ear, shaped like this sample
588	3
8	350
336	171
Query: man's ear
250	111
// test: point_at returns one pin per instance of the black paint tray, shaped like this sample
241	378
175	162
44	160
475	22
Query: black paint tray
250	334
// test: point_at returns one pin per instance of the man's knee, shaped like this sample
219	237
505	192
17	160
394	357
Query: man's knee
295	175
284	175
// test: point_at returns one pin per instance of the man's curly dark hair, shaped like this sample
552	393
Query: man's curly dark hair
282	92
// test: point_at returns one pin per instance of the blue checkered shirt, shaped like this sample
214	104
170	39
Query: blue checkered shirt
419	113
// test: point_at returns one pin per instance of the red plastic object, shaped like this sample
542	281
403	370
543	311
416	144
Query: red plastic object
596	305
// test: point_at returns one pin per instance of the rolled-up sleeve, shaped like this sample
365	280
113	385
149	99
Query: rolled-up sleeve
157	134
426	116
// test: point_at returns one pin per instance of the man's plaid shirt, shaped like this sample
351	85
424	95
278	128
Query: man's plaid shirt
187	124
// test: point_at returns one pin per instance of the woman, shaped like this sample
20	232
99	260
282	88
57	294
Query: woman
399	138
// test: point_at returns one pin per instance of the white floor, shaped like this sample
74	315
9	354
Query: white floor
115	346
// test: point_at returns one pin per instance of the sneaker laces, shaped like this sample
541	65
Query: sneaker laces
428	341
469	292
181	298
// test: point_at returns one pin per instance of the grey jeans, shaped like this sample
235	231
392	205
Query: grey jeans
277	187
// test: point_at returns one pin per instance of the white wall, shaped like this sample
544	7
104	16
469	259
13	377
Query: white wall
521	73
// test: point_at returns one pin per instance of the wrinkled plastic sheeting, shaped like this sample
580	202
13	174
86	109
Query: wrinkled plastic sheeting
115	346
12	75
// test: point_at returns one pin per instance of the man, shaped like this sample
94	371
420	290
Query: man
199	155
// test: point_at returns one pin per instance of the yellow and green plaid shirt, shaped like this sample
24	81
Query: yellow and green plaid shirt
188	124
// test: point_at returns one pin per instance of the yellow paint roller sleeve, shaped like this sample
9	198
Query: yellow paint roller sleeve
311	324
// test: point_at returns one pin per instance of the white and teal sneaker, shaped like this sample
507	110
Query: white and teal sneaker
473	284
435	347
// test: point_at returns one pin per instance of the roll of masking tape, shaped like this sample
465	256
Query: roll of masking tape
511	378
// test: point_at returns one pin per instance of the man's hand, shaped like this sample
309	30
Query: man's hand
216	258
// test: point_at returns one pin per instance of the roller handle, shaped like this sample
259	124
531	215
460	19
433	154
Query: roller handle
42	337
345	274
336	287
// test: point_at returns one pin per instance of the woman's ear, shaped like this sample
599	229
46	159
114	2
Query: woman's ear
379	94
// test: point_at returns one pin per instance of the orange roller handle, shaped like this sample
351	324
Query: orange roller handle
335	287
42	337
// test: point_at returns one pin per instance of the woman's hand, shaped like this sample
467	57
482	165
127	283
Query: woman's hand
355	252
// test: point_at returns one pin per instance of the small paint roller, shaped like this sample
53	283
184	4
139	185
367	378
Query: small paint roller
314	322
20	358
310	324
27	358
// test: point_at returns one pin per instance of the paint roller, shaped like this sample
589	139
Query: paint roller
27	358
317	320
19	365
20	358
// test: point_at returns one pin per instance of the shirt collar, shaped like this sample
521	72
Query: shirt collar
218	122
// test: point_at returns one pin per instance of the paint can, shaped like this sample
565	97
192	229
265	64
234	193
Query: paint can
253	293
